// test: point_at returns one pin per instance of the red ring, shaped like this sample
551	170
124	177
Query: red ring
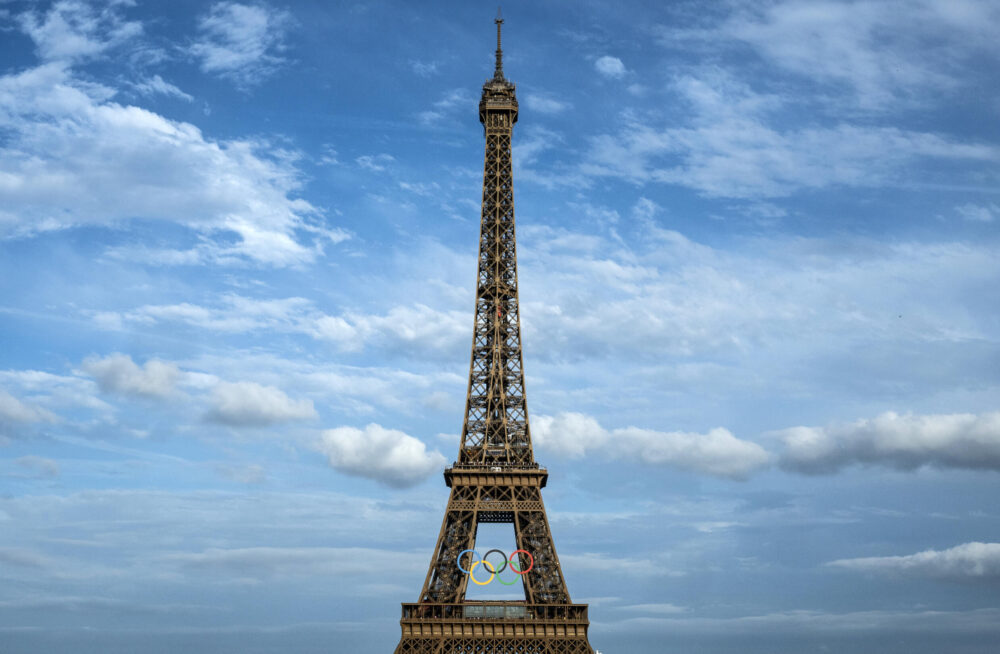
523	572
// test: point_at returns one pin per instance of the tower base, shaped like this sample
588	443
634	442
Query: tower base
494	628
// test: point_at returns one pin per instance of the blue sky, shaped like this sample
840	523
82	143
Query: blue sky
759	283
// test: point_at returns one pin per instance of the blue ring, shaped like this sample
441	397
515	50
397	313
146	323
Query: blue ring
458	560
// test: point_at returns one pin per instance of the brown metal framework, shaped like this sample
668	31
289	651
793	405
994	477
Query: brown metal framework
495	478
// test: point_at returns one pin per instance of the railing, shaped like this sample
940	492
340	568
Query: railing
494	467
495	611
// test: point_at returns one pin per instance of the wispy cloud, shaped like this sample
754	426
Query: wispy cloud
882	52
241	42
75	30
980	213
415	326
545	104
156	85
449	102
375	162
737	147
14	410
424	68
966	562
293	562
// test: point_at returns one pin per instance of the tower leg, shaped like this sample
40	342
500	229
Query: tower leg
445	582
545	584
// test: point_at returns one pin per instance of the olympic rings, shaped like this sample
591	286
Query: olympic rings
500	552
494	572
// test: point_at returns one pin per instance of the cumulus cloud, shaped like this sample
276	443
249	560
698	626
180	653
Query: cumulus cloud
118	373
71	156
905	442
388	456
969	561
241	42
247	404
610	67
716	453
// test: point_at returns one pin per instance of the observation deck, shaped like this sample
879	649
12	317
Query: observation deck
495	619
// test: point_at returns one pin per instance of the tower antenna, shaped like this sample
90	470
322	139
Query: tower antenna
498	72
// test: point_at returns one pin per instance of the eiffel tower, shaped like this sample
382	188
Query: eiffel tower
496	478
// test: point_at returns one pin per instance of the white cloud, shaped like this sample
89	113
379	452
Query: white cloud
459	98
424	69
117	373
717	452
737	147
376	163
157	84
898	441
237	314
610	67
416	325
51	391
73	157
14	410
247	404
74	30
544	104
770	306
969	561
982	213
881	51
328	156
388	456
241	42
410	326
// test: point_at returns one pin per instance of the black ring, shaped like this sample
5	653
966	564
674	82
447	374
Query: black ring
504	559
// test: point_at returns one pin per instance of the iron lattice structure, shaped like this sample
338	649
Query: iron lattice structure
495	478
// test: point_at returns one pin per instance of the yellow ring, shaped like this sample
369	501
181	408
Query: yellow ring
472	570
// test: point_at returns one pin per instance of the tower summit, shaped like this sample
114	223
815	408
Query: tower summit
498	71
495	478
